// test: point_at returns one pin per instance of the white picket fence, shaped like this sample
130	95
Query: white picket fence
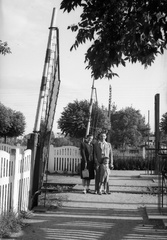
64	159
15	165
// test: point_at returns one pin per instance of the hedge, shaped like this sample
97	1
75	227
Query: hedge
133	163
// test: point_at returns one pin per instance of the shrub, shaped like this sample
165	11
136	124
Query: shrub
10	222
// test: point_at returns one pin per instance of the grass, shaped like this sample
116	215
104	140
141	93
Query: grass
11	222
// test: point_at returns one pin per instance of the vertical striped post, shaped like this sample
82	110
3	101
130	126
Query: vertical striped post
44	75
36	158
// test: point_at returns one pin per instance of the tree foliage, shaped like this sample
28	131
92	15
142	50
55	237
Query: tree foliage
59	142
163	123
12	123
17	124
120	31
5	120
74	119
4	48
128	127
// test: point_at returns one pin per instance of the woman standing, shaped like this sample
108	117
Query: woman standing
87	162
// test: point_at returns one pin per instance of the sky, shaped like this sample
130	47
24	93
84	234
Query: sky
24	25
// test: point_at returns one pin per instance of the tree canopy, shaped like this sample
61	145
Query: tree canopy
163	123
119	31
128	127
4	48
74	119
12	123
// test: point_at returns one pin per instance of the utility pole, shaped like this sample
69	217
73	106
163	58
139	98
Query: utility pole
109	110
157	133
90	108
148	140
109	102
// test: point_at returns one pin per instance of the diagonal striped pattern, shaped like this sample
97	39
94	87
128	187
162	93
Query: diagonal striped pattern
72	234
88	224
146	232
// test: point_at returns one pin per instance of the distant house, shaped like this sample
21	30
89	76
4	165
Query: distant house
151	141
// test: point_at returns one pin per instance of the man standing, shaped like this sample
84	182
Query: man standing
101	149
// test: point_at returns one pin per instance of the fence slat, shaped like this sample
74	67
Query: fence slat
64	159
14	178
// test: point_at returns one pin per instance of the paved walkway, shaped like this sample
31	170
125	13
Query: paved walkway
121	215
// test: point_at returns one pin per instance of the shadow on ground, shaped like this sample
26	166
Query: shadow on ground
118	216
93	224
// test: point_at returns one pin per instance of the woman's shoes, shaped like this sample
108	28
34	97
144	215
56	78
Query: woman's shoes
86	191
100	192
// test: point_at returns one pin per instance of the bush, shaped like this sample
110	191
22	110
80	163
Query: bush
10	222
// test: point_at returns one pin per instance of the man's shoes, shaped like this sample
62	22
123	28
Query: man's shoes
105	192
100	193
88	190
84	191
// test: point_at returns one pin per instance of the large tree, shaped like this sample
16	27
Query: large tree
5	120
74	119
12	123
18	124
163	129
119	31
128	128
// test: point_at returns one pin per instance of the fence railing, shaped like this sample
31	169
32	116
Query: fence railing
67	158
64	159
14	178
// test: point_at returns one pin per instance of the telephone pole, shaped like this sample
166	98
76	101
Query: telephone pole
90	108
109	110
